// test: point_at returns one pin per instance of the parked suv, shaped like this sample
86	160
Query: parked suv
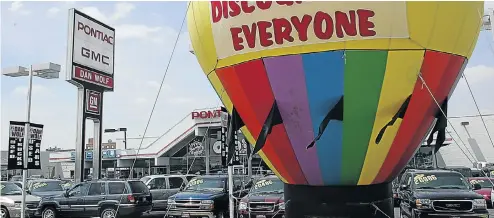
265	199
206	196
164	186
99	199
433	193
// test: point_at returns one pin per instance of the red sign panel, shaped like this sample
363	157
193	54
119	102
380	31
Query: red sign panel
93	77
206	114
93	102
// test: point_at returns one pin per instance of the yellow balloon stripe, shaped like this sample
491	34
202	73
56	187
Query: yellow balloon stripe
371	44
201	35
227	102
401	74
448	26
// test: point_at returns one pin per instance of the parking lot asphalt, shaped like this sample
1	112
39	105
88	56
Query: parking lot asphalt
162	214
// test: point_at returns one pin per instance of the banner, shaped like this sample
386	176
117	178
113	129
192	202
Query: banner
16	146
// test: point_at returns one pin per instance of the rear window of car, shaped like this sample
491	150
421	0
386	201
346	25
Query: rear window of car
138	187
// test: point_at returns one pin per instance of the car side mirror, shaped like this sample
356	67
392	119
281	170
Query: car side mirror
28	192
404	187
149	187
476	186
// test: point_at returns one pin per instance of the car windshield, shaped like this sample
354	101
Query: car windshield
197	184
268	186
484	183
10	188
440	181
46	186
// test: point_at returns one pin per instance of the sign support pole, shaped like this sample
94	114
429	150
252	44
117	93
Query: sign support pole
80	136
27	127
231	203
97	149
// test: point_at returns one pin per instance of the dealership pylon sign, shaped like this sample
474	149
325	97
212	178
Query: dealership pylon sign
90	67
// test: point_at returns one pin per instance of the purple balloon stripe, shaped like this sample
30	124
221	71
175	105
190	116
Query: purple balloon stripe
287	78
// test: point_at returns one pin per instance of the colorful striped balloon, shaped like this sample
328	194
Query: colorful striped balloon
307	55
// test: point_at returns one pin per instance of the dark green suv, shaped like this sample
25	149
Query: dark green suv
439	193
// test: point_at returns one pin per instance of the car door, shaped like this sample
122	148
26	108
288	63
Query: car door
95	195
75	200
174	185
157	187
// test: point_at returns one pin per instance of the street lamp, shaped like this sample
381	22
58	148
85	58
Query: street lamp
120	130
45	71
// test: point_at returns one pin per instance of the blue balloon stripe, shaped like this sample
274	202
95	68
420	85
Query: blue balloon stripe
324	80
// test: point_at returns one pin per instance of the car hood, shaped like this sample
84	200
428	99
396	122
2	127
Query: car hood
197	195
263	197
48	194
484	191
18	198
446	194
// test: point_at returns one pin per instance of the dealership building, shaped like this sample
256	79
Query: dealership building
193	143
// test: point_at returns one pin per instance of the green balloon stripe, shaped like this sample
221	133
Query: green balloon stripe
363	78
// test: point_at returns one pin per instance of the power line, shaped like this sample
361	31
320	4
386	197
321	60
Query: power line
471	116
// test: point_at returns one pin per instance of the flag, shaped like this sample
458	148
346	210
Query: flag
273	119
399	114
235	123
336	113
439	127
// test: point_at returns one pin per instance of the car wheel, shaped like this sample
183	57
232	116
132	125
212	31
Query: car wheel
108	213
4	212
49	212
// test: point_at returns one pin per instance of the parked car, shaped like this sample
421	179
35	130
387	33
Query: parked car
265	199
206	196
11	198
485	188
445	193
45	187
99	199
164	186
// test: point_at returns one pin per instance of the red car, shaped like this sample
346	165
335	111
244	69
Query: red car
486	188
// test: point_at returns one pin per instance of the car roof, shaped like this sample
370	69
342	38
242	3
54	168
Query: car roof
415	171
44	180
166	176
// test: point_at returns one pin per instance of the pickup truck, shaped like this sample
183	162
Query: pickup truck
265	199
439	193
206	196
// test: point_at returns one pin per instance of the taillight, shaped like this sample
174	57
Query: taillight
131	199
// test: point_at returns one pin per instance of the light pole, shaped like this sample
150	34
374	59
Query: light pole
46	71
120	130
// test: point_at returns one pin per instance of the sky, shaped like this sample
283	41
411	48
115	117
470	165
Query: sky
36	32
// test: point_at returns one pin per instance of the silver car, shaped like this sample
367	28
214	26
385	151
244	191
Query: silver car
164	186
10	199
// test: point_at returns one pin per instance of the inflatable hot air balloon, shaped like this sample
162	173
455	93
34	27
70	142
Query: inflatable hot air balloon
335	96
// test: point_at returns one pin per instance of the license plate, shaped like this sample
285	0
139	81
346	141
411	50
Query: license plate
260	216
455	217
185	215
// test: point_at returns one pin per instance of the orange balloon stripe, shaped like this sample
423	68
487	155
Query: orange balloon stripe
449	77
420	113
231	82
254	81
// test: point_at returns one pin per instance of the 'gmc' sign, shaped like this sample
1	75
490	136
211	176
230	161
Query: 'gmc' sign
206	114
